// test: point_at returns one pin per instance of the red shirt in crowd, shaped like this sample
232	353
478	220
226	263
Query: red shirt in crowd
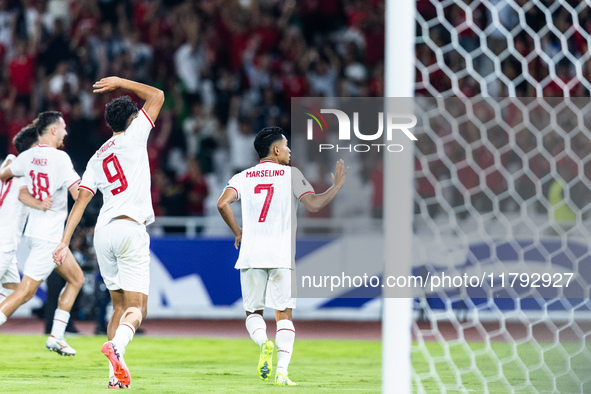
22	74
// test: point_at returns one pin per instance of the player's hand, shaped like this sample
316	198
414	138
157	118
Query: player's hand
340	174
238	238
60	253
106	85
46	203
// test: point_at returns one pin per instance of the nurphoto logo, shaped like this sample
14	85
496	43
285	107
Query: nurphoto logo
394	123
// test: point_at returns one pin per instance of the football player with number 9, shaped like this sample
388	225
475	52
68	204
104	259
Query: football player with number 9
120	170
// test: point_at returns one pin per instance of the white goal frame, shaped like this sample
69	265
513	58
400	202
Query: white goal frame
398	196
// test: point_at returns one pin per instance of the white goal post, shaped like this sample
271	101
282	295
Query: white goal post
398	195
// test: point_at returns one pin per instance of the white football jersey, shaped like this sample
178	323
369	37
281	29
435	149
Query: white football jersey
12	214
269	194
47	172
120	170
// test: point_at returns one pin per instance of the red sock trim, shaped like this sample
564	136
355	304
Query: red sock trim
284	351
129	326
61	321
286	329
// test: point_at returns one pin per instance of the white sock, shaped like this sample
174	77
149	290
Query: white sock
4	293
123	336
284	340
111	371
3	318
60	321
257	328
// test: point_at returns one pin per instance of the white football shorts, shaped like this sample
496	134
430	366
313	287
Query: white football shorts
266	287
9	268
123	252
39	264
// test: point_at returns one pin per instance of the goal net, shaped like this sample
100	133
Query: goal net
502	193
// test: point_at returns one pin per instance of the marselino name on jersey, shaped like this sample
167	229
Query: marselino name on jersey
264	173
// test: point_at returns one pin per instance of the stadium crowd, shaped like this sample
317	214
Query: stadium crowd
228	67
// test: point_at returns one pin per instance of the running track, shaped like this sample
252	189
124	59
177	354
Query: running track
328	329
215	328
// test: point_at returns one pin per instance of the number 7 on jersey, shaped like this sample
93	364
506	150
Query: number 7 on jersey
269	188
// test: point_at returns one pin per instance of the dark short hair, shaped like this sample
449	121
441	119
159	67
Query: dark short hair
118	111
46	119
26	138
265	138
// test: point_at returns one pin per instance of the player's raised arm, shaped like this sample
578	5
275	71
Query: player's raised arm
315	202
154	97
61	251
228	197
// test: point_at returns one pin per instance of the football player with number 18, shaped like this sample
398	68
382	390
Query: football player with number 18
49	174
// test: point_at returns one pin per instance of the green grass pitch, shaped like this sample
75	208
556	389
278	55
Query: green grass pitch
504	368
187	365
196	365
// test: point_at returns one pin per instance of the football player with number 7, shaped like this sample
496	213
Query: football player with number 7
269	194
120	170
